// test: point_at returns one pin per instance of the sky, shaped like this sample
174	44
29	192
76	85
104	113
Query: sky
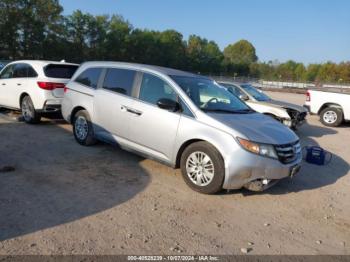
308	31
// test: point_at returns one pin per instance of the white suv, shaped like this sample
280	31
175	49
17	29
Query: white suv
34	87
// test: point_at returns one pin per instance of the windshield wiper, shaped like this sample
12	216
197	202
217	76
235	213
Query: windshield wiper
241	111
245	111
218	110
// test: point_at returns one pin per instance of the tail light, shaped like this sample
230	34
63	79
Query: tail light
65	89
50	85
308	96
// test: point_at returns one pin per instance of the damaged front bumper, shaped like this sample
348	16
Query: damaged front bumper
257	173
296	118
259	185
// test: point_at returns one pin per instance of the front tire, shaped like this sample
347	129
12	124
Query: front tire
202	168
29	114
83	129
332	116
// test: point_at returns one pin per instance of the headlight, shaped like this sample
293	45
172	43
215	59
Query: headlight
257	148
287	122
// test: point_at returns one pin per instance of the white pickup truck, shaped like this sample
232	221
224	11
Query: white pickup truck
333	107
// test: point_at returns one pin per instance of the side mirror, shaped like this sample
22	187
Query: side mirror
244	97
168	104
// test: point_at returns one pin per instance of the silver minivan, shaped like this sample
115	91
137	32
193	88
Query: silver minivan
184	120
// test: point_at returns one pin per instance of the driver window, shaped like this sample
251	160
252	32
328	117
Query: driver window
7	72
153	88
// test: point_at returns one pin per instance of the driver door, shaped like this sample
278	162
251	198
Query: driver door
152	129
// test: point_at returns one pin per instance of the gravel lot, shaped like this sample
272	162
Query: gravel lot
63	198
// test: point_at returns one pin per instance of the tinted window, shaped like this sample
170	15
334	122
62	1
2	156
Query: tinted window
7	72
31	72
20	71
119	80
89	77
154	88
60	71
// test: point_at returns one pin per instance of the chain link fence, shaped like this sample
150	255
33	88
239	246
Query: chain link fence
298	87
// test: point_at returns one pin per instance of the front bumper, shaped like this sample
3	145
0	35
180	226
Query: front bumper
298	119
245	167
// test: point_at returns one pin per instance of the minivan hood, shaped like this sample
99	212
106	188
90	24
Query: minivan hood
257	127
286	105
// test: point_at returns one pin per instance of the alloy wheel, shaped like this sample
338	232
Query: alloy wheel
81	128
200	168
27	109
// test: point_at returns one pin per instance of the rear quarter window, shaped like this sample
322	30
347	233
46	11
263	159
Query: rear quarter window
60	71
119	80
89	77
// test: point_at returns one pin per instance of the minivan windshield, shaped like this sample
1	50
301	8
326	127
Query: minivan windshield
260	96
210	96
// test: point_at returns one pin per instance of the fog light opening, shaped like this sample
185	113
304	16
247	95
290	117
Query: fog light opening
259	185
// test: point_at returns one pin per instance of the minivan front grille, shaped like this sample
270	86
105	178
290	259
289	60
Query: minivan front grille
289	152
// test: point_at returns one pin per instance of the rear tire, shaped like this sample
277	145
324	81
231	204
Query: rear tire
332	116
29	114
202	168
83	129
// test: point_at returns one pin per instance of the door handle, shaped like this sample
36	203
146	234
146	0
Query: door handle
133	111
130	110
19	84
3	84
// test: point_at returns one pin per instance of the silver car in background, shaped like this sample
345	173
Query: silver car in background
182	120
289	114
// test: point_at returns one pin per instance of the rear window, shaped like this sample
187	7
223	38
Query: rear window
60	71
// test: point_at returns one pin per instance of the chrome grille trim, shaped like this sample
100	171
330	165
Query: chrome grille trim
289	152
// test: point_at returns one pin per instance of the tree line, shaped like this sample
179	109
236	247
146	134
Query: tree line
37	29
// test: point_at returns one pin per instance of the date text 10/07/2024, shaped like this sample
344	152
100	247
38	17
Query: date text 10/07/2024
172	258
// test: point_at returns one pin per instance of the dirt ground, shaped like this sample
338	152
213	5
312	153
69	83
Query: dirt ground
63	198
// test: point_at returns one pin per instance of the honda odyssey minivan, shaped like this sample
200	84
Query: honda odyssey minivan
181	119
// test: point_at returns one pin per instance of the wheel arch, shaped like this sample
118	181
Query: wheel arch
324	106
23	95
74	111
187	144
